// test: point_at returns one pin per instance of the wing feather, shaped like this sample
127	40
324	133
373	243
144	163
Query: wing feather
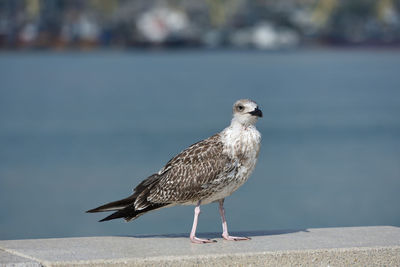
187	176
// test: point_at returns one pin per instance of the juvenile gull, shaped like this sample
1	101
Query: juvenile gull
207	171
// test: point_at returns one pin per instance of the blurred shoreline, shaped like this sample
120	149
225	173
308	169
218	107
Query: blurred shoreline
174	24
172	51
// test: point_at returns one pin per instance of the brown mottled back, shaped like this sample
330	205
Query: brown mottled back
186	176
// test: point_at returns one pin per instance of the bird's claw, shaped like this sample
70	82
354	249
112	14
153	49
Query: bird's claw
235	238
197	240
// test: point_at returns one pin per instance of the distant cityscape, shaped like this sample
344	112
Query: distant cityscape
261	24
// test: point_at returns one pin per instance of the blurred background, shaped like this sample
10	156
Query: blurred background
97	95
262	24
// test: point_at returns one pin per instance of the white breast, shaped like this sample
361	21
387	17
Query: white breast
242	145
241	142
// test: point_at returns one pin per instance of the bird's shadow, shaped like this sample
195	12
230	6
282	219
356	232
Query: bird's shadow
217	235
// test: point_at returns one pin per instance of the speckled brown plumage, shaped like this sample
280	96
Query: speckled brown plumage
192	175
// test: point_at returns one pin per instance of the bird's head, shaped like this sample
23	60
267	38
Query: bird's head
246	112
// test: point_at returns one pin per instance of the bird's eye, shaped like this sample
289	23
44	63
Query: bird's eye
240	108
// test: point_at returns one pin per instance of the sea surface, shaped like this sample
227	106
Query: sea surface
79	129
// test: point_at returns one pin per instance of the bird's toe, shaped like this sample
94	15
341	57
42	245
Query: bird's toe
235	238
197	240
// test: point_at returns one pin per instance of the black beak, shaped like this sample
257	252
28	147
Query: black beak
256	112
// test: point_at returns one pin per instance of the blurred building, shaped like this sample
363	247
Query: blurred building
262	24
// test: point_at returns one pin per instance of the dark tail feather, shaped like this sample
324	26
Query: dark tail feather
125	208
129	213
115	205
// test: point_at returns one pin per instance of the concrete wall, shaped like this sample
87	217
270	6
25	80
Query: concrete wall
361	246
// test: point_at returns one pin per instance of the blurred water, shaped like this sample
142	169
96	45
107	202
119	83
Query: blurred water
81	129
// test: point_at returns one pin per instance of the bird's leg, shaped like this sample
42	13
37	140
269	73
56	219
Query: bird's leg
193	237
225	233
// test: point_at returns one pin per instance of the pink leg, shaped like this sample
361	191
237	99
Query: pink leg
225	233
193	237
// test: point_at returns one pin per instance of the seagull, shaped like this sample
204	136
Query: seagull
205	172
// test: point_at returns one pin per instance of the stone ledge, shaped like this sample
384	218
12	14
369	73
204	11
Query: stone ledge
378	245
10	259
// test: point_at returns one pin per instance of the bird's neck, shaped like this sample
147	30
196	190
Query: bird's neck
240	125
240	139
